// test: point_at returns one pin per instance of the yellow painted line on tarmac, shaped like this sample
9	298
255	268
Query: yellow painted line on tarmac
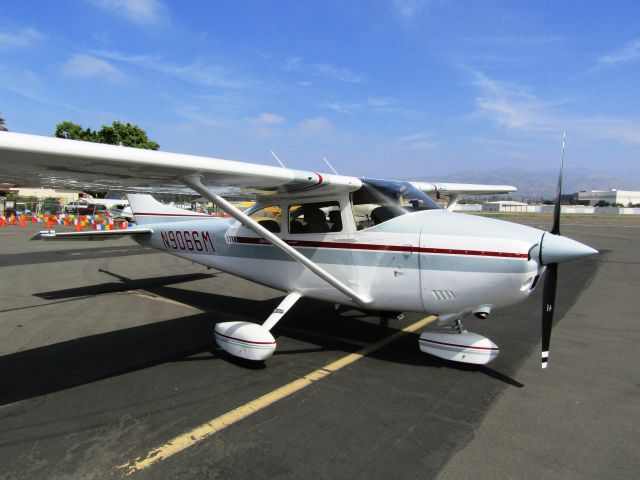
192	437
158	298
293	330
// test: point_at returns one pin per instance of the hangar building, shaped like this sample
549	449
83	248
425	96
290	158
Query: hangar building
613	196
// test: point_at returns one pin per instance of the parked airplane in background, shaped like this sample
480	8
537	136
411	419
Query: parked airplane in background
376	244
121	210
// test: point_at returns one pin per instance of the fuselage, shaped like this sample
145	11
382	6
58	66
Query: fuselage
430	261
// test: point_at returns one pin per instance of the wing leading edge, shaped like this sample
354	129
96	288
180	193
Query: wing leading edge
55	162
462	188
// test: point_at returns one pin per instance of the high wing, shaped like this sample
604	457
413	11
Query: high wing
454	190
54	162
462	188
60	163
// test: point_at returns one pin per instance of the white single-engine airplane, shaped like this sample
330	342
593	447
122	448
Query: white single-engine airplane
375	244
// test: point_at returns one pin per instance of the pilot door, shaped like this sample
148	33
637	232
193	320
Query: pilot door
323	231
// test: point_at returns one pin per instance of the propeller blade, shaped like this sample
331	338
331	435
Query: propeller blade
555	229
548	306
551	278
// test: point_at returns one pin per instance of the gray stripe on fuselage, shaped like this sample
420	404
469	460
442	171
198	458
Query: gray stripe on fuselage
430	261
446	348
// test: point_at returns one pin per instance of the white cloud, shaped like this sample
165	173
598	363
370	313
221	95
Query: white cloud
374	106
410	8
313	126
517	109
340	74
24	38
269	119
325	70
345	108
140	11
86	66
199	73
293	63
628	53
416	136
198	117
263	126
418	141
27	84
512	107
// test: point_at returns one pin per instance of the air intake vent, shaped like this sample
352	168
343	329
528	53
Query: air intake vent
443	294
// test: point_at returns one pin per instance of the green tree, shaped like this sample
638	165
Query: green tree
3	127
118	133
73	131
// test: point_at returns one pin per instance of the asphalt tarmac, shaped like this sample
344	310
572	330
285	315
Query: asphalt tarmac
106	354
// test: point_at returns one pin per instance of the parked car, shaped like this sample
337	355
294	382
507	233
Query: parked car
82	207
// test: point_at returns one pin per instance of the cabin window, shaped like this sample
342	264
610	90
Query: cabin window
269	217
380	200
317	217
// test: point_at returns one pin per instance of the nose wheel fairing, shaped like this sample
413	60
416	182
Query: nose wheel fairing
463	347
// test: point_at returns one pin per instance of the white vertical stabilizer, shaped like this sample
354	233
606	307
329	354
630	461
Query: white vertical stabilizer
147	209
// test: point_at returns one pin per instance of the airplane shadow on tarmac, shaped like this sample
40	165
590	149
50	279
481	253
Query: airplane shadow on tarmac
79	361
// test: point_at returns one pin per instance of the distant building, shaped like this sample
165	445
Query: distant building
612	197
65	196
508	206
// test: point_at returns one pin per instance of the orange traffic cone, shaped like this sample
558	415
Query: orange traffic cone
47	224
3	222
22	223
12	220
78	227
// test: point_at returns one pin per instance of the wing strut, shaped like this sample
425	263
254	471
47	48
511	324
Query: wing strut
195	182
453	201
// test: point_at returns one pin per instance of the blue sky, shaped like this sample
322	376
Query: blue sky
395	89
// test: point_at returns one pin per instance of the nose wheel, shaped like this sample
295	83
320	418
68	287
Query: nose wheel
453	342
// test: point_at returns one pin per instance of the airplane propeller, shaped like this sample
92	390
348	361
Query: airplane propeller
551	278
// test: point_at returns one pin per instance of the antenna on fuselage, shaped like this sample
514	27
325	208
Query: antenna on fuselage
330	166
277	159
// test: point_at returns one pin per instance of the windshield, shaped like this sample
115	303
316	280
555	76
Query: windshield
380	200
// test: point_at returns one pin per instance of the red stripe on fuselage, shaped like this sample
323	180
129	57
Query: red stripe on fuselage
377	247
460	346
244	340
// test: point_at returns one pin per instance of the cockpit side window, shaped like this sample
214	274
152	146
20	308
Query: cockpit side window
268	216
380	200
316	217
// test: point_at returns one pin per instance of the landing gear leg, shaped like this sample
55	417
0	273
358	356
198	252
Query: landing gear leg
451	323
249	340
